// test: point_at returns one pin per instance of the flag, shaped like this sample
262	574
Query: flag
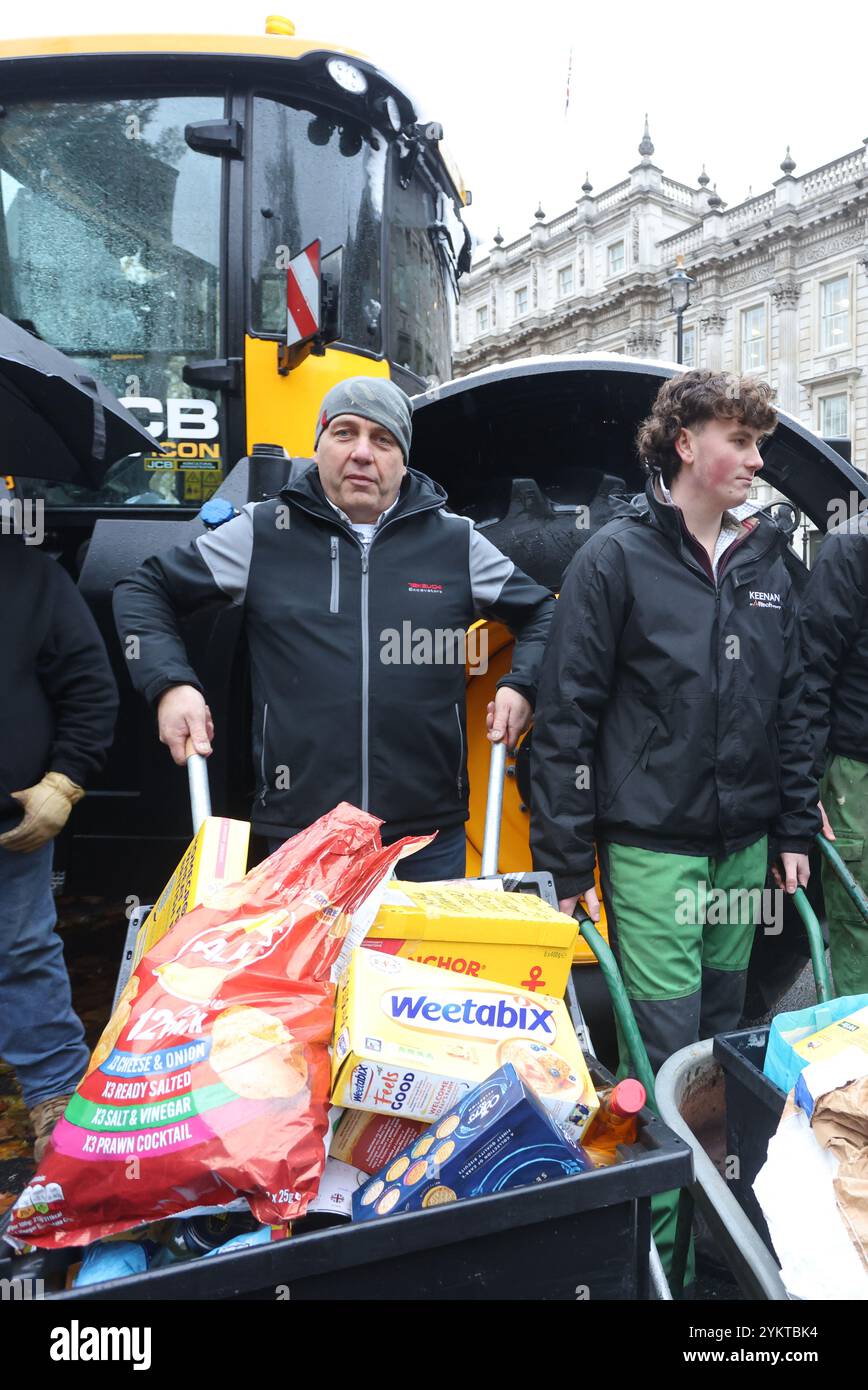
569	75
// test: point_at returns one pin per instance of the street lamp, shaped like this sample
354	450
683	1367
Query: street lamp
680	285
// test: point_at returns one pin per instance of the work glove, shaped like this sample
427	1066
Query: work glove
46	810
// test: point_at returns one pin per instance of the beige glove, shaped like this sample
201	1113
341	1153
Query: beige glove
46	811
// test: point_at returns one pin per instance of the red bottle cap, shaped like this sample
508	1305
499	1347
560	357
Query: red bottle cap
627	1098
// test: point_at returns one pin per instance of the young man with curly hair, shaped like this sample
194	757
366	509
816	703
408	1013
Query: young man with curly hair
669	729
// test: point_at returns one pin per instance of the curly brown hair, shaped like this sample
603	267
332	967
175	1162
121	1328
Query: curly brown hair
693	399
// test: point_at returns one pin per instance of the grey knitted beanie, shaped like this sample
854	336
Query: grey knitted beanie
373	399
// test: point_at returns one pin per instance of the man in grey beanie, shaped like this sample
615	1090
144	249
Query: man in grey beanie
358	588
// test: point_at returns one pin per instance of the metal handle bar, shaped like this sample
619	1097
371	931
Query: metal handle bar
493	811
817	946
200	791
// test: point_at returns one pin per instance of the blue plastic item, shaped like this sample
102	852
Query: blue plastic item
260	1237
215	511
114	1260
782	1064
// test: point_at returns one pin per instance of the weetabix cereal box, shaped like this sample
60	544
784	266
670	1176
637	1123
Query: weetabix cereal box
412	1040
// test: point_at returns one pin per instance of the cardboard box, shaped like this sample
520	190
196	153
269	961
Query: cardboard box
835	1055
217	854
499	1136
412	1040
368	1141
514	938
851	1031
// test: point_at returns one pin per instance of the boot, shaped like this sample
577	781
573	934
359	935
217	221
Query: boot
43	1118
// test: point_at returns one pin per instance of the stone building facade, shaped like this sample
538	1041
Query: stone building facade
781	285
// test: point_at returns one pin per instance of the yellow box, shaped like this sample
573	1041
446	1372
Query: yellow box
217	854
412	1040
851	1031
514	938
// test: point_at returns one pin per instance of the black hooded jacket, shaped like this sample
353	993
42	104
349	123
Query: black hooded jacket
57	694
669	714
358	679
833	622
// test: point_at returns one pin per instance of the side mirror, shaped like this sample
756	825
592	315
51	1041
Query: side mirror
331	274
313	305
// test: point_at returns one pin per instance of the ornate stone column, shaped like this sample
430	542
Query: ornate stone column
712	332
785	293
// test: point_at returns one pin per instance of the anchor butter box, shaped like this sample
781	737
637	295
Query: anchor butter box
514	938
498	1137
411	1040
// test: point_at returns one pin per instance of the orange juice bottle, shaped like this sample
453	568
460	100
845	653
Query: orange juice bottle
615	1122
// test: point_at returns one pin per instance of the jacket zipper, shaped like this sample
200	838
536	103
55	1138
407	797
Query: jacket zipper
264	791
728	570
334	601
366	656
459	778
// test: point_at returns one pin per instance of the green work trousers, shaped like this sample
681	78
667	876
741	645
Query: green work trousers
682	927
844	793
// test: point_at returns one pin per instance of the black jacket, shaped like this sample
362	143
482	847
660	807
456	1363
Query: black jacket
348	703
58	698
834	637
669	713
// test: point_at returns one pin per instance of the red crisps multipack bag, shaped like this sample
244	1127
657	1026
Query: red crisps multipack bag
211	1079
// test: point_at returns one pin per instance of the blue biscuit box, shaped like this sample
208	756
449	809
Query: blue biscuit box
498	1136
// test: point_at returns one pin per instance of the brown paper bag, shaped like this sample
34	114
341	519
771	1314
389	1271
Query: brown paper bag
840	1123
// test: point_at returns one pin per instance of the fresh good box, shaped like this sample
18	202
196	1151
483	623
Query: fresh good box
367	1141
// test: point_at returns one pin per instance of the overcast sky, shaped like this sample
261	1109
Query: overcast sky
729	84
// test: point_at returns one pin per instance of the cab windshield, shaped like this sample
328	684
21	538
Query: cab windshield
109	250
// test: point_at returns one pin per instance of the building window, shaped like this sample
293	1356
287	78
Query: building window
615	258
835	313
482	319
565	281
521	301
833	416
688	348
753	339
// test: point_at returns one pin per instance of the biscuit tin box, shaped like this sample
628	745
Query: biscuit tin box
412	1040
515	938
497	1137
